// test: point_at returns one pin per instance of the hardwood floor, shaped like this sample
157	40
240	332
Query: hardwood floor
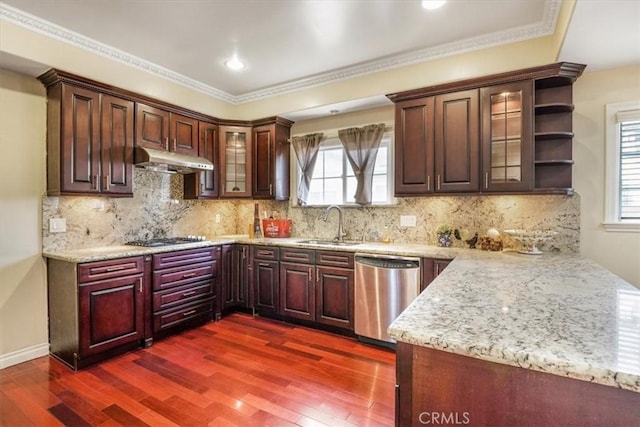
240	371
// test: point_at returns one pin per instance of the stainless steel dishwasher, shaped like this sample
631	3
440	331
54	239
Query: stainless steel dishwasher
384	286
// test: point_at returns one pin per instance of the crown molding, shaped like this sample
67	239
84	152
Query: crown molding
544	28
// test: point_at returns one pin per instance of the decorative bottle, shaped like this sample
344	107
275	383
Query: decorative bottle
257	229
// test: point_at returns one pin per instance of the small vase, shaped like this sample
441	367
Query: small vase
444	240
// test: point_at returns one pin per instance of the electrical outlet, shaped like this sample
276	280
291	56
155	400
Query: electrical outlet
217	218
57	225
407	220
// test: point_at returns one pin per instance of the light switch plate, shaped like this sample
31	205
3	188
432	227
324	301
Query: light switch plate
57	225
407	220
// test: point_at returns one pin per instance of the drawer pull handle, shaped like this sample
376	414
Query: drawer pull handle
334	258
188	294
112	269
188	313
188	275
264	264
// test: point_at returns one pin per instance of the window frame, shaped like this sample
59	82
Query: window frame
334	143
612	221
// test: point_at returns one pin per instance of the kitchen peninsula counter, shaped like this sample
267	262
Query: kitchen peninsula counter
489	314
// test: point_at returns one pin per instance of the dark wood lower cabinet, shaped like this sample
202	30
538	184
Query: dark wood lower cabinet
297	296
185	289
96	309
234	282
433	385
266	286
334	297
111	314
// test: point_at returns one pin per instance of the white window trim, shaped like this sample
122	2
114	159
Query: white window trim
612	171
332	141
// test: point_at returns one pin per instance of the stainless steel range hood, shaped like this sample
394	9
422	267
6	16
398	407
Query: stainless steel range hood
169	162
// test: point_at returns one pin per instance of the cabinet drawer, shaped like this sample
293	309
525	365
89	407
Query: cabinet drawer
100	270
172	297
179	258
265	252
334	259
297	255
190	312
179	276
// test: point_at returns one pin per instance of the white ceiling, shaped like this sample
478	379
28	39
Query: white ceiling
292	44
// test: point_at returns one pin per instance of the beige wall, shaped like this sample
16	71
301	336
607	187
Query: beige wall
616	251
23	296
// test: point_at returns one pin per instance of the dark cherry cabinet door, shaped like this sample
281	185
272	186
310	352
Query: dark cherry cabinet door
152	127
507	137
111	314
116	140
80	151
334	297
183	134
235	280
204	185
266	288
414	146
263	161
209	150
271	161
457	142
297	296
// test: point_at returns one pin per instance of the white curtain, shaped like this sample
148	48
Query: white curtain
306	148
361	146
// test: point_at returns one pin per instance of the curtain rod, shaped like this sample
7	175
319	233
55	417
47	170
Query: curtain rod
387	128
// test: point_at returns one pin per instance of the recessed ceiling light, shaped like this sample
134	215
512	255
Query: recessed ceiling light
234	64
433	4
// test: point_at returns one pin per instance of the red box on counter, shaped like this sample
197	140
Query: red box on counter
276	227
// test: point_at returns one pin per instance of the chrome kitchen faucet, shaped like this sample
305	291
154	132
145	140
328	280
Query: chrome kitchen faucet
341	232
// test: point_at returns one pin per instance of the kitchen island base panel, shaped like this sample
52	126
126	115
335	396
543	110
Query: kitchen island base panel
434	384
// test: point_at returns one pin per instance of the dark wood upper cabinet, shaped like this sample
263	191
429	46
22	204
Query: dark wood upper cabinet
235	161
507	137
164	130
183	134
515	137
204	185
89	141
152	127
457	142
117	139
414	146
79	161
271	157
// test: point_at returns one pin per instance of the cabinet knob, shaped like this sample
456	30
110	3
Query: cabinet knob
438	181
428	182
486	180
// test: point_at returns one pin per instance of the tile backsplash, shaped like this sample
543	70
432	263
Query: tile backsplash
158	210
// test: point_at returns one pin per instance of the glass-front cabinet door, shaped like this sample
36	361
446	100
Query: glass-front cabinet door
235	161
507	137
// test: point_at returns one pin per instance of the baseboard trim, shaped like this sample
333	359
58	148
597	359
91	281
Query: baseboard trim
23	355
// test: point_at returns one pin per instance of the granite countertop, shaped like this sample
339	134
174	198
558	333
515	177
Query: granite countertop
555	313
121	251
560	314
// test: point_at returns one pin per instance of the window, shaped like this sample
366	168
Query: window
622	192
333	179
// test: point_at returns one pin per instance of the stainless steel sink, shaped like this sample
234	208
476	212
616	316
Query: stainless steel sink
328	242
